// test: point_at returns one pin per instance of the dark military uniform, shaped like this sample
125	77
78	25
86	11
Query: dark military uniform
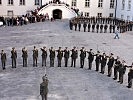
98	60
24	56
59	56
84	26
90	58
122	70
105	28
89	26
52	57
130	77
110	27
44	56
110	65
35	57
82	57
79	26
66	56
113	28
74	56
116	68
101	28
97	27
103	63
71	25
44	89
3	59
75	24
93	27
14	57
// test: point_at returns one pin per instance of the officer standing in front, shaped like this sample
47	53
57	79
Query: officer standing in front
13	57
24	56
3	59
82	57
44	88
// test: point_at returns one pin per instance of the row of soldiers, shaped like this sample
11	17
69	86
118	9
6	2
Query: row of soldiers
100	60
123	27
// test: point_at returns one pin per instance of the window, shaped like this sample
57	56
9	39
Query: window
111	15
74	3
99	15
100	3
87	14
128	18
22	2
129	4
10	13
0	2
36	2
10	2
122	16
123	4
112	3
87	3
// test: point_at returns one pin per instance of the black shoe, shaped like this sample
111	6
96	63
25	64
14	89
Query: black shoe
114	78
118	81
128	86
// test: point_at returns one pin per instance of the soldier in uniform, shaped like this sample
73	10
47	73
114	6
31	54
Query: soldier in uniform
74	56
105	28
52	56
116	67
24	56
130	76
35	56
89	26
66	56
44	88
122	71
98	60
93	27
13	57
82	57
75	24
101	28
113	28
97	27
59	56
3	59
84	26
44	56
110	64
79	26
103	63
71	25
90	58
110	28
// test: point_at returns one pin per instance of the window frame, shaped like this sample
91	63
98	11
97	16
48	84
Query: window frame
100	3
87	3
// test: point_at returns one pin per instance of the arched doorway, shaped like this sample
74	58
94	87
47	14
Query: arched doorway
57	14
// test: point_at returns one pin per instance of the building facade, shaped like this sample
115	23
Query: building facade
104	8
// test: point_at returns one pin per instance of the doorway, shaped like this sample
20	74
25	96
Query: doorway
57	14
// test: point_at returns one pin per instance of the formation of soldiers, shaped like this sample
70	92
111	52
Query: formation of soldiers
101	60
100	24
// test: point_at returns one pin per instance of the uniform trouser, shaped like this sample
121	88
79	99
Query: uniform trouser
73	62
44	97
84	29
97	66
34	62
13	63
66	61
97	30
115	73
121	77
59	62
110	30
102	69
82	62
88	29
105	30
92	30
90	64
43	61
3	64
79	28
109	71
129	81
24	62
51	62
